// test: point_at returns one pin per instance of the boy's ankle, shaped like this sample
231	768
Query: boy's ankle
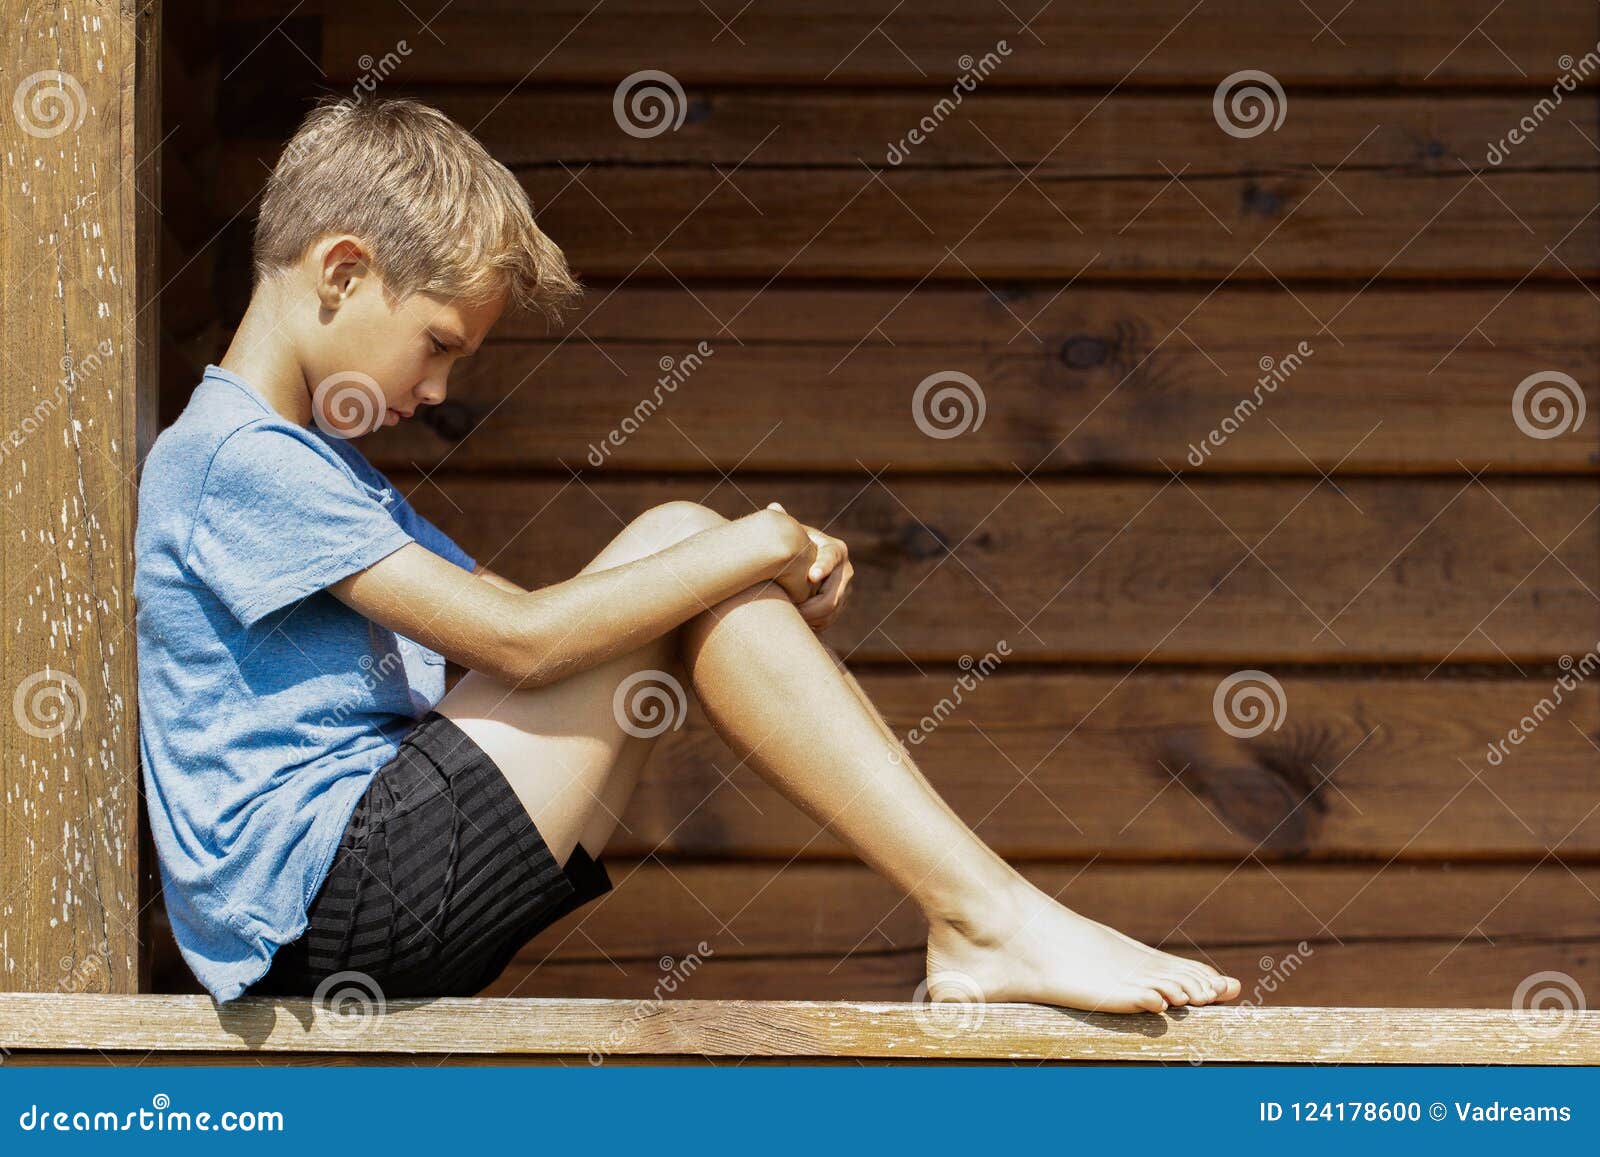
986	917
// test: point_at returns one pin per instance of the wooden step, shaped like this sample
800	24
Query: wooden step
597	1030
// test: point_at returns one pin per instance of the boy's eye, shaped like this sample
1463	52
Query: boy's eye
438	346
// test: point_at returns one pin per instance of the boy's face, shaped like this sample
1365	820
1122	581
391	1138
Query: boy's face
369	361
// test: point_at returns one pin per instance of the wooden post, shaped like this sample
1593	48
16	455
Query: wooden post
79	185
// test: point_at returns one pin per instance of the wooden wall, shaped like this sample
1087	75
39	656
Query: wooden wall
1115	272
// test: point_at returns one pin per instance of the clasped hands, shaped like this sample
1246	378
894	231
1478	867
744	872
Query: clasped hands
828	574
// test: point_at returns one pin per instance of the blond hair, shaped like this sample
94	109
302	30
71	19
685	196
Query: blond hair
439	214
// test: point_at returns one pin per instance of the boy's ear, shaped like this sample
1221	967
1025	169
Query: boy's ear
340	264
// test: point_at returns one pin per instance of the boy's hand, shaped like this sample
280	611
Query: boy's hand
829	577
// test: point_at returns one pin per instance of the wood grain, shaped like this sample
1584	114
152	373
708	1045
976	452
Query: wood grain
954	225
1055	765
1097	43
763	910
1057	133
803	1028
1084	380
957	225
1473	974
827	184
1244	572
149	1057
1303	934
1375	933
78	244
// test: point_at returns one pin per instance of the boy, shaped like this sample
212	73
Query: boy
319	805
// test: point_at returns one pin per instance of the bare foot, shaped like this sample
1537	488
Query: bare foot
1028	947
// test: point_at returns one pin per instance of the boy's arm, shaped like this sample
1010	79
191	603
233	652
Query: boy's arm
534	638
500	581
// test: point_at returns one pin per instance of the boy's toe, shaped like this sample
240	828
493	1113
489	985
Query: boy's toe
1148	999
1170	988
1209	985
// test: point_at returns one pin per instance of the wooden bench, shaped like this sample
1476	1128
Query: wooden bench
54	1029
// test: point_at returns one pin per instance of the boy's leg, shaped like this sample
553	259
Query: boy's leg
563	748
782	699
776	695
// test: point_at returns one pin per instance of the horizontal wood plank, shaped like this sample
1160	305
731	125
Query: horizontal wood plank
834	912
1472	975
1392	935
956	225
1051	765
1055	133
655	379
1095	43
1143	572
801	1029
1376	933
1038	186
145	1058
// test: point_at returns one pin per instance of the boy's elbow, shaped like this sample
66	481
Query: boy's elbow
522	651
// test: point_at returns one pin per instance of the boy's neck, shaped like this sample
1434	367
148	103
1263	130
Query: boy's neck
262	353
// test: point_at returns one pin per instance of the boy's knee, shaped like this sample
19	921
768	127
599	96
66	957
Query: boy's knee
678	519
655	530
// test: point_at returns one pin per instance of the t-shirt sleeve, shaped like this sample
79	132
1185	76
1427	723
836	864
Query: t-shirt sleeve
277	521
430	535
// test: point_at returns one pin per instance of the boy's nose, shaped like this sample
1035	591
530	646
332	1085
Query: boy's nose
431	392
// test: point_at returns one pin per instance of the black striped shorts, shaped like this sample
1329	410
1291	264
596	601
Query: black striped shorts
440	878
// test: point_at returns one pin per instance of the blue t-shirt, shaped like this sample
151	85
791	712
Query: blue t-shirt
265	703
